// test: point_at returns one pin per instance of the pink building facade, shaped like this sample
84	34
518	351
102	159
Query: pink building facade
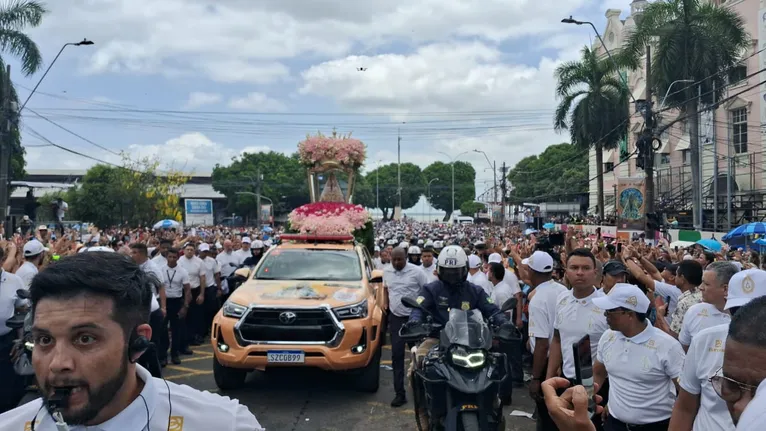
732	138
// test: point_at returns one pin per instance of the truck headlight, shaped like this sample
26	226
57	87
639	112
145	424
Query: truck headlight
353	311
467	358
233	310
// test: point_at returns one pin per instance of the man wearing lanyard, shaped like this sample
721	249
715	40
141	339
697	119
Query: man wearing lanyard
576	315
699	406
642	362
401	279
194	319
178	293
11	384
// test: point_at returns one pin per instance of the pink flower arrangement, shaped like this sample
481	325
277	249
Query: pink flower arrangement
328	218
344	149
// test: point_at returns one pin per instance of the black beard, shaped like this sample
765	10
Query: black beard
98	398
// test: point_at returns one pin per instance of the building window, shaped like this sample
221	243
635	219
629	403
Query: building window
739	130
664	159
737	74
686	154
608	167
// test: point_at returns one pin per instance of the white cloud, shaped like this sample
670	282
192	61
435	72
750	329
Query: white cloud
190	152
198	99
257	102
245	41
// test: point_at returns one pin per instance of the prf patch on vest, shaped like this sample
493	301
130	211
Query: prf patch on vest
176	423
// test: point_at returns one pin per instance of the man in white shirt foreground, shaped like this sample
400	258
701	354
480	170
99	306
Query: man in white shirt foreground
89	356
699	407
710	312
642	362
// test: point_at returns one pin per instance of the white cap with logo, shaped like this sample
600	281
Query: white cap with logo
540	261
624	295
474	261
495	258
745	286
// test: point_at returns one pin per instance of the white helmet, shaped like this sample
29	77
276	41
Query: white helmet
414	250
256	244
453	256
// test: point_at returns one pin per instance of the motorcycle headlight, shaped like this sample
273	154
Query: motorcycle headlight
233	310
468	358
353	311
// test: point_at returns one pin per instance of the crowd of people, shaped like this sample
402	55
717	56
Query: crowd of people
675	334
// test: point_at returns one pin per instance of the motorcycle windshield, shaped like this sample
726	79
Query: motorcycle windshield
467	328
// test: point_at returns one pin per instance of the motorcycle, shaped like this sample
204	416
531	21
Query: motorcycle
459	378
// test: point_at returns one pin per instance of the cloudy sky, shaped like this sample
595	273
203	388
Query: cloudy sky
197	82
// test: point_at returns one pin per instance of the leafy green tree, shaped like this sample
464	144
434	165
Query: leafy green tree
697	41
441	189
284	182
559	173
470	208
594	108
386	178
364	191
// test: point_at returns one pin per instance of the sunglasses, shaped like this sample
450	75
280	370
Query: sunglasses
729	389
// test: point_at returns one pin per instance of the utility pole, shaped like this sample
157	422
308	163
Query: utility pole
258	187
494	173
5	150
649	147
399	168
503	187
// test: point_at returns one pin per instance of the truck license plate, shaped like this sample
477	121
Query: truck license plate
286	357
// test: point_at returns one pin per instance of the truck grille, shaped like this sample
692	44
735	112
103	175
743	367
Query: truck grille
303	325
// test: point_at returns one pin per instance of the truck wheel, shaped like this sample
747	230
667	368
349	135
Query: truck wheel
368	379
228	378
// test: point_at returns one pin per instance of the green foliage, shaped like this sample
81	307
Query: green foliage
14	17
441	189
697	41
284	182
134	194
470	208
559	173
412	187
366	236
364	191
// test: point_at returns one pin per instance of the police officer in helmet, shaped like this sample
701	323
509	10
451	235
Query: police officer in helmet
451	290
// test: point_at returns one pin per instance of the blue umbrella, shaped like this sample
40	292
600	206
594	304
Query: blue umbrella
710	244
549	226
166	224
746	230
267	229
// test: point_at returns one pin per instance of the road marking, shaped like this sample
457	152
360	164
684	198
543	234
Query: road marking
379	404
186	370
194	374
197	358
385	362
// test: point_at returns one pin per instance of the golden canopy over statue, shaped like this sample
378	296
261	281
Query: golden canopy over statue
329	155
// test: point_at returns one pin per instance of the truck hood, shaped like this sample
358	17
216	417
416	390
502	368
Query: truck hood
299	293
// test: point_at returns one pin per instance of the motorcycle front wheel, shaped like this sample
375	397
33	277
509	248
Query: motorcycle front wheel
470	421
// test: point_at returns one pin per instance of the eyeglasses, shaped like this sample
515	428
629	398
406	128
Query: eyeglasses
616	311
729	389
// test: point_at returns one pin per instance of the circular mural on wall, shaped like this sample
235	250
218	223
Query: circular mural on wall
631	202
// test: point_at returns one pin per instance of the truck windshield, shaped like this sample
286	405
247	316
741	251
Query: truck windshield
310	264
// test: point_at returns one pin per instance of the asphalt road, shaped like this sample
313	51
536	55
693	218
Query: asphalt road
299	399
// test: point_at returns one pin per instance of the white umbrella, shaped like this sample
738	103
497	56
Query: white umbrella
167	224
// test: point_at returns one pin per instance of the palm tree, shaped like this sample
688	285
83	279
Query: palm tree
695	41
16	16
594	108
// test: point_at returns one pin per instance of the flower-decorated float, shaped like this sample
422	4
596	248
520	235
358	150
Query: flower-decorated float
331	211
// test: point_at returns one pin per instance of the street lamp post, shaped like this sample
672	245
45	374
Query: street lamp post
428	196
452	165
492	166
5	149
84	42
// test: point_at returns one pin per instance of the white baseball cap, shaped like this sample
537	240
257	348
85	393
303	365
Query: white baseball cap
246	240
495	258
745	286
33	248
624	295
474	261
204	247
540	261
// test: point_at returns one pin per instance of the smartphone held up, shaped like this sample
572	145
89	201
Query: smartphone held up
583	359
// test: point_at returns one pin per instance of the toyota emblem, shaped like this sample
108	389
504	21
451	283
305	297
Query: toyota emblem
287	317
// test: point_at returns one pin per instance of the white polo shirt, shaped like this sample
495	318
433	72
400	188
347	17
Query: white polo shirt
228	263
174	279
641	370
703	360
188	408
576	318
211	268
698	317
194	267
754	416
27	272
542	311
